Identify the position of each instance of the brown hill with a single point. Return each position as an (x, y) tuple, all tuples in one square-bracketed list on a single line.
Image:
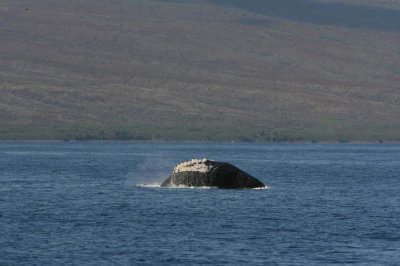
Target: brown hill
[(219, 70)]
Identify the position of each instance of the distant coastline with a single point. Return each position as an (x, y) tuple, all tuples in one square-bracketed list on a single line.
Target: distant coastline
[(242, 71), (182, 134)]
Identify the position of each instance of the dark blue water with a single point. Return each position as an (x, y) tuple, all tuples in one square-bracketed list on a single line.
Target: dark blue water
[(81, 204)]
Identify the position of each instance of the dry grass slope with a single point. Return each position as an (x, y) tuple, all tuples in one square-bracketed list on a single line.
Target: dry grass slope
[(192, 70)]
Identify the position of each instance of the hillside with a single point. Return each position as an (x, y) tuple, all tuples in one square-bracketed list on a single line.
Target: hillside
[(200, 70)]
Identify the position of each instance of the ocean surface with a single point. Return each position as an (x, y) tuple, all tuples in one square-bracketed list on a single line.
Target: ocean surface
[(98, 203)]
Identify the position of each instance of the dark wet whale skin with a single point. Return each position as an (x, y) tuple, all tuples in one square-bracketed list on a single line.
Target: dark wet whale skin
[(221, 175)]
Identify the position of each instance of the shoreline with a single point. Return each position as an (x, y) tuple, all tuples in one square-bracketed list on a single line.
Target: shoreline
[(209, 142)]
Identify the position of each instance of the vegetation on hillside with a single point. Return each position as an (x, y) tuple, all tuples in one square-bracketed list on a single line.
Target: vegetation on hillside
[(200, 70)]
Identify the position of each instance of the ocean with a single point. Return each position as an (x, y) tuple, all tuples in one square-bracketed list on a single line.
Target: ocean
[(99, 203)]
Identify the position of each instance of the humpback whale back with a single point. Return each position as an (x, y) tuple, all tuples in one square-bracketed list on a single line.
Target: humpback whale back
[(207, 173)]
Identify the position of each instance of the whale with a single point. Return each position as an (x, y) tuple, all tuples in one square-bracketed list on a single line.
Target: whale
[(209, 173)]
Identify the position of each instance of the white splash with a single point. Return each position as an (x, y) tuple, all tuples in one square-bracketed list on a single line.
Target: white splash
[(158, 185), (261, 188), (189, 187), (155, 185), (195, 165), (171, 187)]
